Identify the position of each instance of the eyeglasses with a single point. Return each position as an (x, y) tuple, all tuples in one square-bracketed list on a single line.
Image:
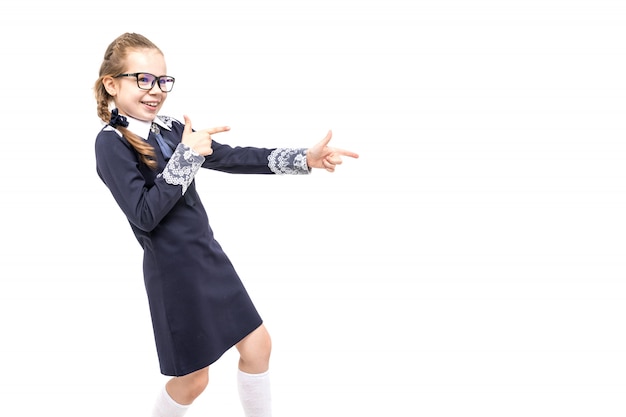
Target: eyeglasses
[(145, 81)]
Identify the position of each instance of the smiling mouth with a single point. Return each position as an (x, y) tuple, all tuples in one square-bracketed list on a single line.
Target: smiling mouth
[(151, 103)]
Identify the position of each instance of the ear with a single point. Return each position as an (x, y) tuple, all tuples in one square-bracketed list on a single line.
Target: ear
[(110, 85)]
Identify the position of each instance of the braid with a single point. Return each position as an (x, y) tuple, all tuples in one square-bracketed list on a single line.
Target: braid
[(143, 148), (113, 63)]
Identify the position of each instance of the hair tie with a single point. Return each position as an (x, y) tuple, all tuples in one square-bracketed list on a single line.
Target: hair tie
[(117, 119)]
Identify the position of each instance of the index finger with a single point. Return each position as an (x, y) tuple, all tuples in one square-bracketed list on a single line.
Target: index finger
[(215, 130), (345, 152)]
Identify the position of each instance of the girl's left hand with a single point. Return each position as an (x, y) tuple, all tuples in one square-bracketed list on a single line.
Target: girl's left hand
[(323, 156)]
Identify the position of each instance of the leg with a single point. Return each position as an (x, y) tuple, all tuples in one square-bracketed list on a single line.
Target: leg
[(254, 351), (185, 389), (253, 376), (179, 393)]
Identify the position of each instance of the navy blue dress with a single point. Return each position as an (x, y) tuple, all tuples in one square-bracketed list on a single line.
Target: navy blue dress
[(198, 304)]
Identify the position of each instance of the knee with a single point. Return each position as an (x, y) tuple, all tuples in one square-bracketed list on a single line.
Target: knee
[(187, 388), (197, 384), (255, 352), (260, 353), (259, 344)]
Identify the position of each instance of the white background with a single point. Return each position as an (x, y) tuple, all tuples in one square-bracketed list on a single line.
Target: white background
[(471, 262)]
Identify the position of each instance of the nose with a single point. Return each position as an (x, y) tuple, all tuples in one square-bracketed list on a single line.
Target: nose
[(155, 88)]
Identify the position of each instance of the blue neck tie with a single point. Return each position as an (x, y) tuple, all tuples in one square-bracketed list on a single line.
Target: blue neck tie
[(166, 148)]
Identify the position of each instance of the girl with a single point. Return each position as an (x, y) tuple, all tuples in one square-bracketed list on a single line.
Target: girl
[(198, 305)]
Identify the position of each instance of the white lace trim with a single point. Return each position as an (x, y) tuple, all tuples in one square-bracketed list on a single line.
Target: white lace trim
[(167, 121), (182, 166), (288, 161)]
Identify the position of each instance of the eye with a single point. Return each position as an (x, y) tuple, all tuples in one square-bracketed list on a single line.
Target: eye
[(145, 78)]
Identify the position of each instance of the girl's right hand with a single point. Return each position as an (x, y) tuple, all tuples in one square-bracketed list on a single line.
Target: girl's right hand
[(200, 140)]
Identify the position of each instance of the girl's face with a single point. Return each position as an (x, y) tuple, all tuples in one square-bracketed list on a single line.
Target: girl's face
[(131, 100)]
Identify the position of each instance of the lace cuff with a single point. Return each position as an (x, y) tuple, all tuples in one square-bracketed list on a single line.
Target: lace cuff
[(288, 161), (182, 166)]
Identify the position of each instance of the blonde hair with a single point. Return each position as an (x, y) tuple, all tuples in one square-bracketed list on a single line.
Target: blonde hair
[(114, 63)]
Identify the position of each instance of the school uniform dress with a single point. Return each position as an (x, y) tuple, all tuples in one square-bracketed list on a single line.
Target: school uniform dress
[(198, 304)]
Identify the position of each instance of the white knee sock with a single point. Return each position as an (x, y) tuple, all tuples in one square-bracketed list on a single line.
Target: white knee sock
[(165, 406), (254, 393)]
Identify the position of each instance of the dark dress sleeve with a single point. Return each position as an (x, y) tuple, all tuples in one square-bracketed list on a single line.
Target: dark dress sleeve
[(257, 160), (250, 160), (144, 197)]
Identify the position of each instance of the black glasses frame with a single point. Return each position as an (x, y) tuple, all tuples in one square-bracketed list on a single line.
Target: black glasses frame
[(156, 80)]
